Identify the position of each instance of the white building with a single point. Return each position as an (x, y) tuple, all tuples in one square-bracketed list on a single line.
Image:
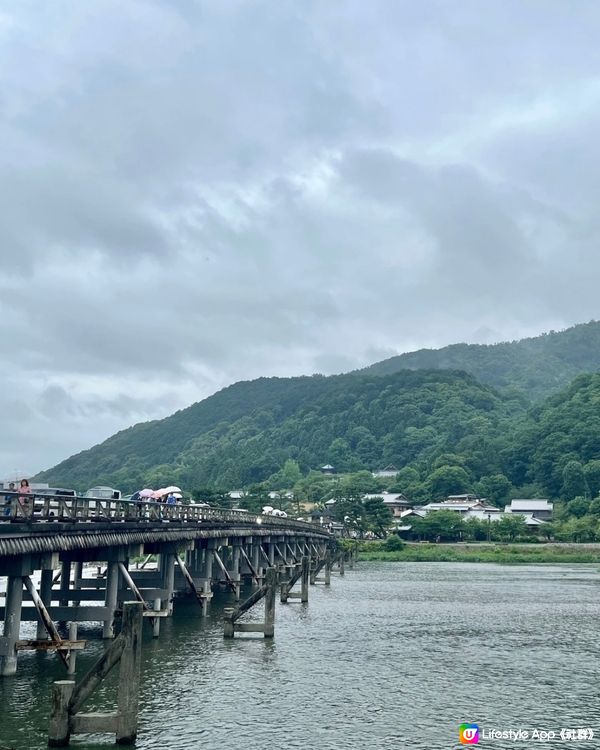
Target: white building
[(537, 508)]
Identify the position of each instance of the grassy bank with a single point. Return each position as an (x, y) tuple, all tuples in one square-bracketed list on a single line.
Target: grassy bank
[(500, 553)]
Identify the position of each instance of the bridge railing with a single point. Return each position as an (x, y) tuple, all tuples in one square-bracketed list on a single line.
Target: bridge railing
[(38, 508)]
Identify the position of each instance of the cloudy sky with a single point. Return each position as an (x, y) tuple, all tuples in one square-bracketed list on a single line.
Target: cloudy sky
[(194, 192)]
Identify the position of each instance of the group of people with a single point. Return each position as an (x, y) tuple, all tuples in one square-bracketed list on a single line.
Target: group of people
[(24, 491), (168, 495)]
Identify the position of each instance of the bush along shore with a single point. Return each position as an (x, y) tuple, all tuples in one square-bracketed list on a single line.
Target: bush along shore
[(394, 550)]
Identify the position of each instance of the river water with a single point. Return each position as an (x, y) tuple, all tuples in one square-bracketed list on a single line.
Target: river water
[(393, 655)]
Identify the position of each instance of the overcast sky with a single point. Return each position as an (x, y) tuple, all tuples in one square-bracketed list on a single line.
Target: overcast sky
[(198, 192)]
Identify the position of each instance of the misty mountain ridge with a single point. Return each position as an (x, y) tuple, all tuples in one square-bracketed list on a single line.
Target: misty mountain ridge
[(539, 365)]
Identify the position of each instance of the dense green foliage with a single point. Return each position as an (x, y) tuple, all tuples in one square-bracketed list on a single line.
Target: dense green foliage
[(538, 366), (245, 433), (446, 432)]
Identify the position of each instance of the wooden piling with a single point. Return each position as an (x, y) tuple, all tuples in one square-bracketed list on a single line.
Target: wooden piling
[(12, 625), (129, 674), (271, 585), (305, 579), (110, 598), (59, 730), (45, 596)]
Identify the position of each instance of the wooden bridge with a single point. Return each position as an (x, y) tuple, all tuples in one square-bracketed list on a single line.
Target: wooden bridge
[(147, 552)]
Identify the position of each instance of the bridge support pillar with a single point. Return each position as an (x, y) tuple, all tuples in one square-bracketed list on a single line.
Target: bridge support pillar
[(12, 625), (236, 554), (46, 597), (110, 597), (255, 558), (65, 582), (167, 564), (207, 574)]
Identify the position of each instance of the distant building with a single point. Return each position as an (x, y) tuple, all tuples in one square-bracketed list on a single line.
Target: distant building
[(466, 498), (236, 494), (327, 469), (395, 501), (467, 505), (484, 514), (388, 471), (539, 509)]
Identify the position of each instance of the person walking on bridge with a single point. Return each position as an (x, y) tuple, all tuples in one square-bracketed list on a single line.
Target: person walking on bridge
[(24, 499)]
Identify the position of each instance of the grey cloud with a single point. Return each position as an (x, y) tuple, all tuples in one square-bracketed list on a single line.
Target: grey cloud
[(196, 193)]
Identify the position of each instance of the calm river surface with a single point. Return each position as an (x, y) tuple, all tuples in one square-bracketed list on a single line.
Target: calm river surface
[(393, 655)]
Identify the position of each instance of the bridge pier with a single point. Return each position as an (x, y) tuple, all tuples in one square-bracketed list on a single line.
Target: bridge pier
[(46, 597), (110, 595), (234, 571), (65, 582), (12, 625), (255, 558), (167, 564)]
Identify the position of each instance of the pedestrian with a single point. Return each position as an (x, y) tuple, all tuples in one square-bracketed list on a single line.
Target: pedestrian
[(24, 499), (171, 499)]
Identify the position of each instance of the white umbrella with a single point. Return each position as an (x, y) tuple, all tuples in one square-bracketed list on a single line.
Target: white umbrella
[(172, 488), (178, 495), (267, 509)]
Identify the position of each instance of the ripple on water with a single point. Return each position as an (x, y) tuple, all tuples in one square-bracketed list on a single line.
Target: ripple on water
[(393, 655)]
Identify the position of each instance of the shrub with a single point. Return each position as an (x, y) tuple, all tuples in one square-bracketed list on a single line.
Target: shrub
[(393, 543)]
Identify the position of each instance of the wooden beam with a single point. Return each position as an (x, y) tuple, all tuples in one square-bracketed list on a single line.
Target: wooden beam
[(45, 618), (249, 564), (132, 586), (188, 578), (224, 570), (45, 645)]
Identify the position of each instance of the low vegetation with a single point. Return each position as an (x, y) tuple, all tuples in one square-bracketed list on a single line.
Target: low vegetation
[(500, 553)]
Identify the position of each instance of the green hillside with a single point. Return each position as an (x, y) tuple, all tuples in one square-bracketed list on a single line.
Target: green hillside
[(558, 446), (245, 433), (539, 366)]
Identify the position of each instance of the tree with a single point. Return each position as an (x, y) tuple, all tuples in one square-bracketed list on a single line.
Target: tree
[(495, 488), (448, 480), (591, 471), (286, 477), (573, 480), (578, 507), (377, 515), (442, 525), (509, 527)]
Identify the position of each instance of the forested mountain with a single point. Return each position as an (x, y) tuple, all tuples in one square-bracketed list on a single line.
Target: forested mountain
[(539, 366), (445, 430), (246, 432), (558, 445)]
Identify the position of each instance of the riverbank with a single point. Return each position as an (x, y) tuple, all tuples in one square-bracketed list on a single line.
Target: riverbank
[(478, 553)]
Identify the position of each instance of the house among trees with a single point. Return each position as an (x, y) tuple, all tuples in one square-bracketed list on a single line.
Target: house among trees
[(388, 471), (395, 501), (466, 498), (539, 509), (462, 504), (327, 469)]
